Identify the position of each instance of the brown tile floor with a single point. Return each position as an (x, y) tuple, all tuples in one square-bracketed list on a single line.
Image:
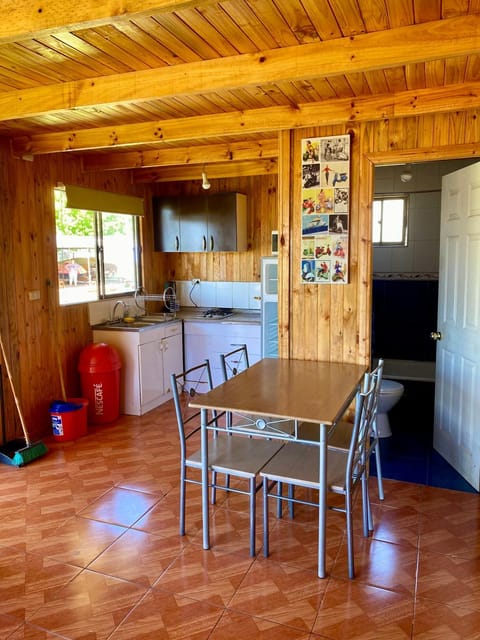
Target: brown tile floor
[(89, 550)]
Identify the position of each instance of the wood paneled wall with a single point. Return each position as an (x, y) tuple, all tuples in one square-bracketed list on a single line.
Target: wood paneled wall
[(334, 322), (262, 216), (324, 322), (32, 330)]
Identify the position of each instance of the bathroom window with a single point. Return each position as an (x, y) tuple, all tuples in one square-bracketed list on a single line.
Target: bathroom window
[(390, 218), (98, 252)]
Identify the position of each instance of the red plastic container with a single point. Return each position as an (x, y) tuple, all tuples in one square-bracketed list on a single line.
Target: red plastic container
[(69, 419), (99, 366)]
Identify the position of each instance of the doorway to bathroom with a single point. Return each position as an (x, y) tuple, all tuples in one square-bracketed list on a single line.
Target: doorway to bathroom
[(404, 313)]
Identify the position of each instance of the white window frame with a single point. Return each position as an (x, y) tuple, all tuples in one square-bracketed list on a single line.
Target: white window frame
[(402, 239), (99, 241)]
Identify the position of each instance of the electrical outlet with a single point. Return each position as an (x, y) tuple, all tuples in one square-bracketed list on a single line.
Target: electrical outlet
[(195, 281)]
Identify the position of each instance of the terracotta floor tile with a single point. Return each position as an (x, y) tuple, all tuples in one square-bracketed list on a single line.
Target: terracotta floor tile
[(453, 533), (398, 525), (120, 506), (90, 549), (297, 544), (163, 517), (91, 605), (206, 575), (167, 616), (354, 611), (8, 626), (78, 541), (397, 493), (433, 620), (139, 556), (281, 593), (26, 580), (380, 564), (29, 632), (233, 625), (451, 580)]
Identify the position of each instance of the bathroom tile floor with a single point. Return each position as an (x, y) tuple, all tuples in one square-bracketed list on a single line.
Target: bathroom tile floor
[(89, 550), (408, 454)]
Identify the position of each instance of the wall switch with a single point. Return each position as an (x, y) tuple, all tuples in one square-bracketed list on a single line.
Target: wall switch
[(34, 295)]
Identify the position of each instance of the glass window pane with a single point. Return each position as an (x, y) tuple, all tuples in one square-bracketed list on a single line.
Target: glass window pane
[(377, 221), (76, 253), (119, 253), (392, 227)]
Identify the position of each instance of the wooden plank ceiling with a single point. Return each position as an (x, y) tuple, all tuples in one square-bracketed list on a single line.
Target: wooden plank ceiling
[(166, 86)]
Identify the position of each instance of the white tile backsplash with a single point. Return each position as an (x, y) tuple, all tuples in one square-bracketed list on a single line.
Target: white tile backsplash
[(224, 294), (239, 295)]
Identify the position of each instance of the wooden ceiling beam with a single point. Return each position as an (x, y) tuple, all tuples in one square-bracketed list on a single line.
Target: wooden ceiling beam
[(458, 36), (220, 170), (27, 19), (191, 155), (457, 97)]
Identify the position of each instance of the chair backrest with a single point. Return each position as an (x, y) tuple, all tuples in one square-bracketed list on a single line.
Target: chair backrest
[(376, 374), (358, 452), (185, 386), (234, 361)]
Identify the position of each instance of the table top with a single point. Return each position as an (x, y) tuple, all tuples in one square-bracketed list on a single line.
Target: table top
[(306, 390)]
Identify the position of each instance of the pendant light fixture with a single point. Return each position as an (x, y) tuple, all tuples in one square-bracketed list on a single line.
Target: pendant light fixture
[(406, 174), (205, 182)]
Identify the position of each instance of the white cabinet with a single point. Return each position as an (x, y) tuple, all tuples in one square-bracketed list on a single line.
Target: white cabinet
[(211, 338), (148, 358)]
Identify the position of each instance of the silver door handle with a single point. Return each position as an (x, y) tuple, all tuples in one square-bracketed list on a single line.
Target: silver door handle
[(436, 335)]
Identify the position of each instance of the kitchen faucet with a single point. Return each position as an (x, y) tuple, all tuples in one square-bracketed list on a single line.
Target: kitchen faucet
[(122, 304)]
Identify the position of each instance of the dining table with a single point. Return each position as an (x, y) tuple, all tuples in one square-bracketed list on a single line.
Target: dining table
[(270, 393)]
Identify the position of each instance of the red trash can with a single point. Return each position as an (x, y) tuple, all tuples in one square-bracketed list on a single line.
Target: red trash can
[(99, 366)]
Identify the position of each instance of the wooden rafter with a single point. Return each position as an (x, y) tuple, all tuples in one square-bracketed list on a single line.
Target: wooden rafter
[(370, 108), (368, 52)]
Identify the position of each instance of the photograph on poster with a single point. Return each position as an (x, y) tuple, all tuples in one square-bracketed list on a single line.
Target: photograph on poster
[(325, 209)]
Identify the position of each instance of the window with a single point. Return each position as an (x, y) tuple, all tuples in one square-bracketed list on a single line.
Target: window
[(390, 220), (97, 252)]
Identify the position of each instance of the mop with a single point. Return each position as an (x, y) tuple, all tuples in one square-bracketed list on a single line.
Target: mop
[(27, 451)]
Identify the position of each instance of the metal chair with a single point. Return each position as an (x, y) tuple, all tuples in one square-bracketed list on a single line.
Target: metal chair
[(297, 464), (232, 455), (234, 361), (341, 434)]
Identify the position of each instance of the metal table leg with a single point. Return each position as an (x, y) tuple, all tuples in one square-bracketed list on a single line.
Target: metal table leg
[(204, 453), (322, 501)]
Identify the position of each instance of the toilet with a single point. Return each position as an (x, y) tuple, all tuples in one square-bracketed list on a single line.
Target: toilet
[(390, 393)]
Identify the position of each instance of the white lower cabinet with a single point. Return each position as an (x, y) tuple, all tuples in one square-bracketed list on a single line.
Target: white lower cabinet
[(209, 339), (148, 358)]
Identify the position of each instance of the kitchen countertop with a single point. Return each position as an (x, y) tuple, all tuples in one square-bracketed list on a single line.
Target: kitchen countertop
[(194, 314), (187, 314)]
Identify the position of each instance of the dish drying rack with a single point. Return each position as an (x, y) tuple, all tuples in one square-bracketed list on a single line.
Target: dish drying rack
[(168, 297)]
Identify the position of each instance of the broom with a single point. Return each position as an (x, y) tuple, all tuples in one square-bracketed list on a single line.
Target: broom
[(30, 451)]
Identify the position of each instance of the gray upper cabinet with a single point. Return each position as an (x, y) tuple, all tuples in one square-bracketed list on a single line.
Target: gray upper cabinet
[(214, 222)]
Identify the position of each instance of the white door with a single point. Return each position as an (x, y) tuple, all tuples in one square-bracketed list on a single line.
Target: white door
[(457, 384)]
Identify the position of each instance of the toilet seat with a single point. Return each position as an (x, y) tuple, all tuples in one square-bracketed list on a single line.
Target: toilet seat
[(388, 387)]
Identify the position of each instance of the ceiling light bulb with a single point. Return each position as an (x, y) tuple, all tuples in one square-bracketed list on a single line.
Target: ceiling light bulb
[(406, 174), (205, 182)]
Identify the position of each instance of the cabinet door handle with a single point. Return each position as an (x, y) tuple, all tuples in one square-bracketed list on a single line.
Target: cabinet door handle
[(177, 243), (212, 243), (204, 243)]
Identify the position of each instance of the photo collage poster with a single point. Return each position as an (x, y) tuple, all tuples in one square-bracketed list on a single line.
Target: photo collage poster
[(325, 209)]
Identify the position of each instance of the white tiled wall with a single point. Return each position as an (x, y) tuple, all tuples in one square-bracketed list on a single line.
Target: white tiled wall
[(421, 255), (238, 295)]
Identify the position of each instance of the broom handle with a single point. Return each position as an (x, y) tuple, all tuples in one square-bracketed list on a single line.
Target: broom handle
[(17, 402), (54, 327)]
